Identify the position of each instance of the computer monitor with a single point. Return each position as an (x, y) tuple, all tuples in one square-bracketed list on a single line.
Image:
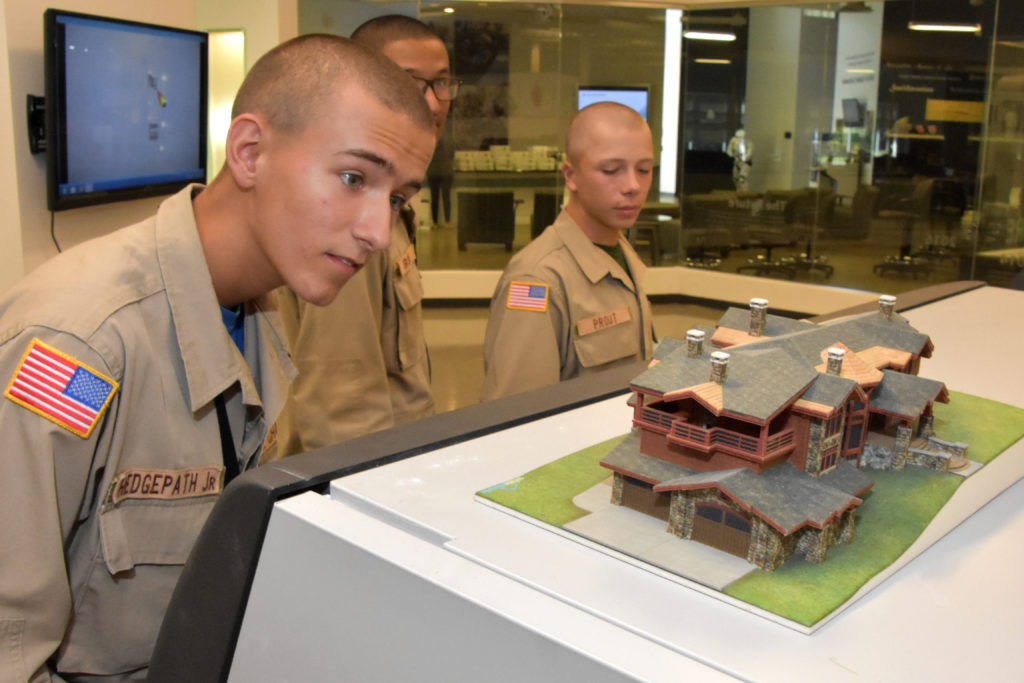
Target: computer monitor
[(853, 113), (125, 109), (633, 97)]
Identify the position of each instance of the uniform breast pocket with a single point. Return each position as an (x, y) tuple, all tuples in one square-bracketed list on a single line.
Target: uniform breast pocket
[(125, 588), (410, 345), (606, 338)]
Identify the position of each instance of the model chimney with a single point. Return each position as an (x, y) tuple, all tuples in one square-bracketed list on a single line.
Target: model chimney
[(887, 305), (758, 311), (694, 343), (835, 361), (719, 367)]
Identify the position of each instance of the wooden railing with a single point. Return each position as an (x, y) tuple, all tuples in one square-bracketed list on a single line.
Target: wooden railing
[(714, 438)]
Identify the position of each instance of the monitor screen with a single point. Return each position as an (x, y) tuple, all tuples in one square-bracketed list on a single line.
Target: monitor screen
[(635, 98), (853, 113), (125, 109)]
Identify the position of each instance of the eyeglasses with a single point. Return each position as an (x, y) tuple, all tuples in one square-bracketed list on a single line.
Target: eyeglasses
[(444, 88)]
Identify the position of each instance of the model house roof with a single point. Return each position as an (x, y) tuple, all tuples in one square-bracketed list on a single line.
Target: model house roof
[(783, 496), (738, 319), (767, 373), (865, 332), (906, 395), (758, 383), (829, 390)]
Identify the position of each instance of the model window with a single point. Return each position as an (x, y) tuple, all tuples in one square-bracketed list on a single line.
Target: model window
[(829, 458), (710, 512), (854, 435), (834, 424), (736, 522)]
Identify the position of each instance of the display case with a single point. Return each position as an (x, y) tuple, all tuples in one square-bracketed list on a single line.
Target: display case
[(373, 560)]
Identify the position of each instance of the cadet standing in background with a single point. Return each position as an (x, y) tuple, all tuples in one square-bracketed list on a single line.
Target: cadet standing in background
[(363, 362), (144, 368), (572, 301)]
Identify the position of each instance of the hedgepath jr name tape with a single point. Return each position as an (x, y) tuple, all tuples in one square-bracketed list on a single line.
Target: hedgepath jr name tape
[(154, 484)]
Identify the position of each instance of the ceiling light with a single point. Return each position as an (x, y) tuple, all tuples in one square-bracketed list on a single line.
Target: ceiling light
[(709, 35), (938, 26), (860, 71), (449, 10), (708, 60)]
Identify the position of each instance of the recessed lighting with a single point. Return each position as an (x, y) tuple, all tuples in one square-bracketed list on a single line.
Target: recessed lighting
[(709, 35), (936, 26), (449, 10)]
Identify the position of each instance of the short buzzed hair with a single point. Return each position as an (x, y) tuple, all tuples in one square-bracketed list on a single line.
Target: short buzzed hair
[(290, 84), (379, 32), (612, 112)]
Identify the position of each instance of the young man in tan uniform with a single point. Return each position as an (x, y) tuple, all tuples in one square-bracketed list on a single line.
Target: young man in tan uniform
[(145, 367), (362, 360), (572, 301)]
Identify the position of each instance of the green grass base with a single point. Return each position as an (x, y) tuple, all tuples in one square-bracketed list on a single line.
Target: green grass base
[(894, 514)]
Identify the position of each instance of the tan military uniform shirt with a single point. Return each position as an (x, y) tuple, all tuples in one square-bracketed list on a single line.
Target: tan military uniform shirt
[(563, 308), (100, 509), (362, 359)]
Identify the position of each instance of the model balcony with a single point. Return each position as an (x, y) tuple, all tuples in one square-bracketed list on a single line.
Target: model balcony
[(708, 439)]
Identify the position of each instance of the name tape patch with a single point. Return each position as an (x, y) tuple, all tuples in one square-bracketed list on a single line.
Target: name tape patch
[(406, 262), (603, 321), (527, 296), (65, 391), (152, 484)]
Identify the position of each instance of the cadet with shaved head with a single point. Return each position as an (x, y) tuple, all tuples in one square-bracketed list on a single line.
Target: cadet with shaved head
[(145, 368), (362, 360), (572, 301)]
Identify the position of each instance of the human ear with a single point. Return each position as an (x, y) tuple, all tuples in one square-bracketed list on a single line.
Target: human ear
[(242, 149), (569, 173)]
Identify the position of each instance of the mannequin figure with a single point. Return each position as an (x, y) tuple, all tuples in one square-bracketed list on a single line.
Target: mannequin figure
[(742, 152)]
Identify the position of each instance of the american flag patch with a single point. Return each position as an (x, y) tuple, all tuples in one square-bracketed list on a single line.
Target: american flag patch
[(59, 388), (527, 296)]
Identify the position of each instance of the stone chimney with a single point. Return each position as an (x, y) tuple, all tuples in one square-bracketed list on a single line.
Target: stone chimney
[(835, 361), (887, 305), (719, 367), (758, 311), (694, 343)]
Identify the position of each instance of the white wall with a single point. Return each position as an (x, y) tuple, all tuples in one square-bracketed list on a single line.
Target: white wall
[(10, 228), (265, 22), (24, 37), (24, 238)]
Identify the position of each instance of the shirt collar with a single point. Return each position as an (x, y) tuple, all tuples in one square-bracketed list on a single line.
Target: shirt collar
[(594, 262), (211, 360)]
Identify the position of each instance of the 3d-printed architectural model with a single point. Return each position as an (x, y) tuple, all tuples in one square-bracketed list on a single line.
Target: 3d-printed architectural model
[(758, 451)]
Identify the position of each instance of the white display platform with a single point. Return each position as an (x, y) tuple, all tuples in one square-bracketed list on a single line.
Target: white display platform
[(398, 574)]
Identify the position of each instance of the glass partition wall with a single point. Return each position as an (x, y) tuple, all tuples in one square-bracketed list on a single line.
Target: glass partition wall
[(828, 143)]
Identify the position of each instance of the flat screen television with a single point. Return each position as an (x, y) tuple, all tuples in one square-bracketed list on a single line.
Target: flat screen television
[(633, 97), (853, 113), (125, 109)]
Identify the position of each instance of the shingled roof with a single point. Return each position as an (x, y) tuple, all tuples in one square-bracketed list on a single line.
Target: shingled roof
[(758, 383), (906, 395), (858, 333), (783, 496)]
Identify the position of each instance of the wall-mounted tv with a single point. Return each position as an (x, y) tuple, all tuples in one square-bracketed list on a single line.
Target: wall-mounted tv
[(633, 97), (853, 113), (125, 109)]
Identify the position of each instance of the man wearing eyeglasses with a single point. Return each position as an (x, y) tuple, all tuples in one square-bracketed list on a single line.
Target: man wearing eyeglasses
[(362, 361)]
